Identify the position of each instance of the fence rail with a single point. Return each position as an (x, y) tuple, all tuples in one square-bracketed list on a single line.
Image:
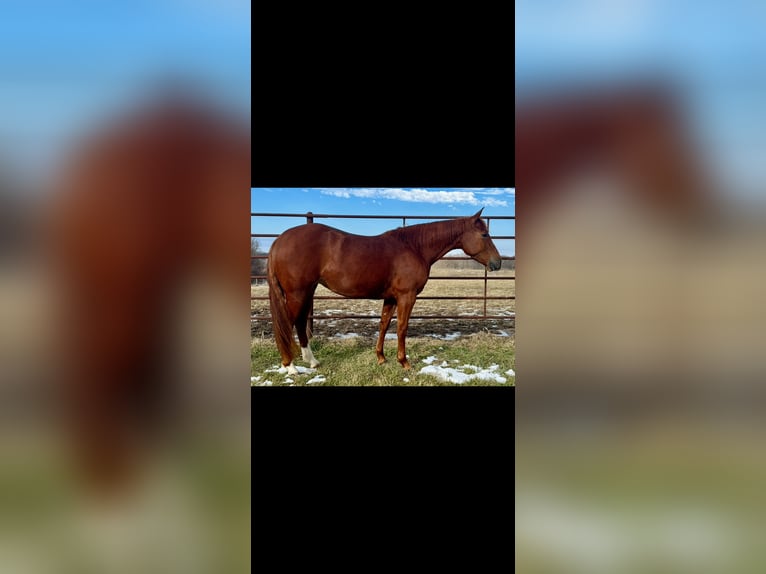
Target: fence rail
[(310, 217)]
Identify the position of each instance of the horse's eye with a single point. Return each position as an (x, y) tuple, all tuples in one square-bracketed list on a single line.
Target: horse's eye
[(485, 234)]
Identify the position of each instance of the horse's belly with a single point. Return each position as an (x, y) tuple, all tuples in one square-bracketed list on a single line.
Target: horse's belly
[(354, 288)]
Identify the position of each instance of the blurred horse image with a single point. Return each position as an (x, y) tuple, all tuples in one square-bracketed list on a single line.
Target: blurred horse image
[(143, 203)]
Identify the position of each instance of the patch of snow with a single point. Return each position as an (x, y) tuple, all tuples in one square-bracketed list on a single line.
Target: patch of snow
[(305, 370), (283, 370), (390, 336), (447, 337), (289, 380), (502, 333), (345, 335), (317, 379), (265, 383), (459, 375), (254, 379), (406, 380), (429, 360), (510, 372)]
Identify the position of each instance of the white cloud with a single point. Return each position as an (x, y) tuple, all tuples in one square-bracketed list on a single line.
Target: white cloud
[(463, 196), (497, 191)]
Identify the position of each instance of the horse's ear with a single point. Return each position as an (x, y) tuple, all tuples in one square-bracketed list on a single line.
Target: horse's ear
[(477, 215)]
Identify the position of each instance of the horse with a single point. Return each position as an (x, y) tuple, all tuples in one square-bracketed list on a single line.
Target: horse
[(637, 134), (393, 266), (144, 203), (614, 179)]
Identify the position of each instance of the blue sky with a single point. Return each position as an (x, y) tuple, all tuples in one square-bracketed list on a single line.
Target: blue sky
[(69, 63), (444, 201), (714, 53)]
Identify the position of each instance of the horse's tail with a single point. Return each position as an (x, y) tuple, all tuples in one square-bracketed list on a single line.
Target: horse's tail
[(283, 328)]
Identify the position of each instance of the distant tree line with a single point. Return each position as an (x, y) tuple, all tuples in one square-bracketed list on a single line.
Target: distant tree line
[(469, 264), (257, 266)]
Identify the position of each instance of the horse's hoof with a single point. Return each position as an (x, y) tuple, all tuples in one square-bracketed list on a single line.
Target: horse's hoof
[(406, 365), (381, 360), (291, 370), (315, 364)]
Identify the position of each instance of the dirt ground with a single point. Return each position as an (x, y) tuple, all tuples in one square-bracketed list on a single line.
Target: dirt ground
[(334, 327), (445, 328)]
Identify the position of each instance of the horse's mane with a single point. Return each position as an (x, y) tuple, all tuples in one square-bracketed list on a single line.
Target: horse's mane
[(430, 235)]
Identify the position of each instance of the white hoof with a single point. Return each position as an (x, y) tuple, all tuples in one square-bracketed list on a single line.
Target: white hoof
[(291, 370), (309, 357)]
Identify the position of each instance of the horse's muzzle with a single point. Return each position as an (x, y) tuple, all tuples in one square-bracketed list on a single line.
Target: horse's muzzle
[(494, 265)]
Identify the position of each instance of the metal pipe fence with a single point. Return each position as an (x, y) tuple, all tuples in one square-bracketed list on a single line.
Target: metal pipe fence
[(310, 217)]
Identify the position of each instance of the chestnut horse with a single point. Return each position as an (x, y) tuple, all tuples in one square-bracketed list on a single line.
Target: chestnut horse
[(393, 266), (638, 133), (145, 202)]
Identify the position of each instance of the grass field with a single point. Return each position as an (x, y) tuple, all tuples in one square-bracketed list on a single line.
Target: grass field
[(674, 494), (352, 362), (346, 347)]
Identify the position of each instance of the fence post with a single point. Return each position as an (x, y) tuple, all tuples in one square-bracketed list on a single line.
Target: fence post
[(310, 219), (485, 280)]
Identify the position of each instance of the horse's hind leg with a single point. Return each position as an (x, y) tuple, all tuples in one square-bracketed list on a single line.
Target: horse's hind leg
[(301, 326), (296, 303), (303, 337), (403, 311), (385, 321)]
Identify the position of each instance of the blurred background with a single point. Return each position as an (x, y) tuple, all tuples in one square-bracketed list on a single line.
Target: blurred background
[(640, 403), (124, 169)]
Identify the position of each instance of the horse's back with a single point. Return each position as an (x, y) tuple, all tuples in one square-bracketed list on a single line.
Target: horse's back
[(311, 241), (302, 244), (351, 265), (297, 254), (306, 231)]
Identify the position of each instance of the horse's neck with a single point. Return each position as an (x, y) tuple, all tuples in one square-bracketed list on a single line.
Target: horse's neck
[(433, 240), (438, 254)]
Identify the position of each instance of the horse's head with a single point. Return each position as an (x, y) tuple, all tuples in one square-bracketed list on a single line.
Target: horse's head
[(477, 243)]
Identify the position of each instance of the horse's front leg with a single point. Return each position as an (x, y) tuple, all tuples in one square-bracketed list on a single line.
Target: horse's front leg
[(403, 312), (385, 321)]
